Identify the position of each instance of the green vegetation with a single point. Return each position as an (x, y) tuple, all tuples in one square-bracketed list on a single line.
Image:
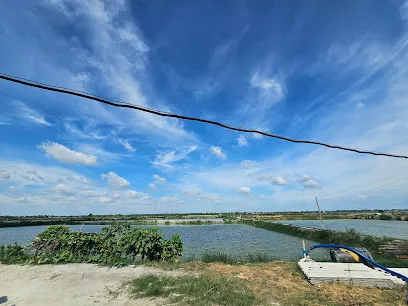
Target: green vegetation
[(229, 260), (219, 257), (118, 244), (350, 238), (12, 254), (205, 289)]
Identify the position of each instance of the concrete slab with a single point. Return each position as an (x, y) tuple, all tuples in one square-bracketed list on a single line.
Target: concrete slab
[(356, 274)]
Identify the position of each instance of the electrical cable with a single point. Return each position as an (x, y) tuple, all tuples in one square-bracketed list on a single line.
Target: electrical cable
[(182, 117)]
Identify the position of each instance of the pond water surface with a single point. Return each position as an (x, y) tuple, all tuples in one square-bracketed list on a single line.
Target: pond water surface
[(395, 229), (237, 240)]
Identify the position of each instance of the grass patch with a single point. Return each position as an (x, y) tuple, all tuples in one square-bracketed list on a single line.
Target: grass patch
[(284, 284), (205, 289), (255, 258), (218, 257), (276, 282)]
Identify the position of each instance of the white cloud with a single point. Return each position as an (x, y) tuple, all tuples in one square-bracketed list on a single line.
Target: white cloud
[(262, 196), (198, 194), (12, 188), (116, 195), (170, 199), (4, 175), (359, 105), (249, 164), (274, 180), (30, 114), (115, 180), (310, 184), (4, 121), (66, 155), (125, 143), (242, 141), (270, 89), (62, 189), (97, 150), (217, 151), (404, 11), (118, 60), (244, 190), (132, 194), (90, 193), (167, 159), (105, 200), (279, 181), (159, 179), (88, 131), (35, 174), (23, 200), (153, 186), (82, 77)]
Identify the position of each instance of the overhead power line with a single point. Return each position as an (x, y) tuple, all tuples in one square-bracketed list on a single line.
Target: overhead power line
[(171, 115)]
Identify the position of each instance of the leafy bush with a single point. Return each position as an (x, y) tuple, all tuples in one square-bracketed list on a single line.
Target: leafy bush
[(385, 217), (12, 254), (117, 244)]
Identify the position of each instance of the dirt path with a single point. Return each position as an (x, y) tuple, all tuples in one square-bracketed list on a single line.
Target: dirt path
[(71, 284)]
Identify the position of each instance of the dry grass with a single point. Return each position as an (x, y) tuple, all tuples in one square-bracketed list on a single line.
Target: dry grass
[(283, 283)]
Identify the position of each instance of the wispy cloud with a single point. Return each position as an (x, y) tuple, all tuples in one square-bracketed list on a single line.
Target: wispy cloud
[(274, 180), (270, 89), (82, 77), (249, 164), (242, 141), (99, 151), (119, 59), (218, 152), (125, 143), (30, 114), (168, 159), (171, 199), (198, 194), (89, 131)]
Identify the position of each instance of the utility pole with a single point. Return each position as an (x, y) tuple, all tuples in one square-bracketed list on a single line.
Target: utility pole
[(320, 213)]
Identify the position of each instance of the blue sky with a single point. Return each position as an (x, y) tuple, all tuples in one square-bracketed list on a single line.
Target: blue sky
[(332, 71)]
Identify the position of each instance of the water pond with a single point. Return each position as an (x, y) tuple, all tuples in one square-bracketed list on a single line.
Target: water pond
[(237, 240), (395, 229)]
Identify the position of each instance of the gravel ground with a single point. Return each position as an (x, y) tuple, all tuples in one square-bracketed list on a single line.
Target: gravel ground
[(70, 284)]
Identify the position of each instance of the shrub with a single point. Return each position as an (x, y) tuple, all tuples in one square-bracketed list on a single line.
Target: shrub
[(116, 244), (12, 254), (385, 217)]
